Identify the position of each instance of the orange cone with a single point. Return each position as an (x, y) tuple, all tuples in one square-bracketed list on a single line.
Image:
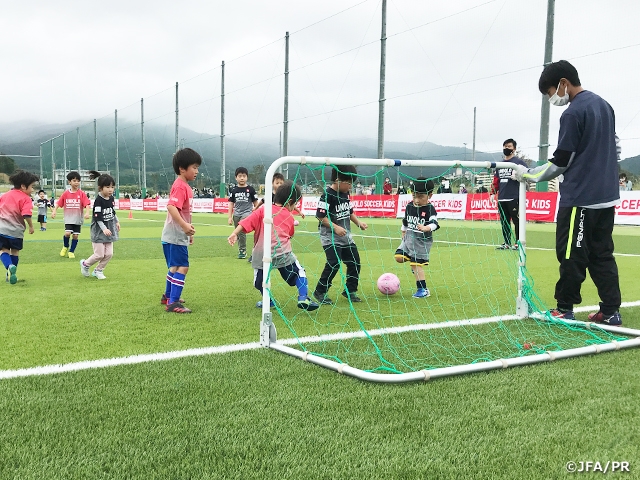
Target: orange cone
[(130, 213)]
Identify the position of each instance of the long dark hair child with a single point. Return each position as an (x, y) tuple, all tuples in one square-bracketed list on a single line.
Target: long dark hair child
[(104, 226)]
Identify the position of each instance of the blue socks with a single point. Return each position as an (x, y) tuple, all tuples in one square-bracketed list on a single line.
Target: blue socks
[(74, 244), (303, 288), (177, 284), (14, 259), (65, 241), (6, 259)]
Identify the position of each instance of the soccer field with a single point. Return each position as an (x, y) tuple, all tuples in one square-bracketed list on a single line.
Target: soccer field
[(257, 413)]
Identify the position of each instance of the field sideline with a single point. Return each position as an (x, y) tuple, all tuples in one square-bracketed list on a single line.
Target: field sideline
[(253, 413)]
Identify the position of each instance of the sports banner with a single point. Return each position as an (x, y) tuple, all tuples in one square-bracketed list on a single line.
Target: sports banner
[(123, 204), (309, 205), (541, 207), (448, 205), (628, 211), (203, 205), (374, 205), (220, 205), (150, 204)]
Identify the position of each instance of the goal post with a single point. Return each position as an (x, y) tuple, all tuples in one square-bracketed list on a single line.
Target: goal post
[(393, 340)]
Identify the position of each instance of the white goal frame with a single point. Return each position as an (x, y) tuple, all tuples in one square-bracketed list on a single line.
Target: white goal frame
[(268, 334)]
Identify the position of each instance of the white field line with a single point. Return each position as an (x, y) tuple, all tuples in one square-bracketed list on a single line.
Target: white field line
[(397, 238), (198, 352)]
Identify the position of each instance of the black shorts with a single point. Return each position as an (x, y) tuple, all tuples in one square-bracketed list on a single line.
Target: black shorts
[(412, 259), (42, 219), (10, 243), (75, 229)]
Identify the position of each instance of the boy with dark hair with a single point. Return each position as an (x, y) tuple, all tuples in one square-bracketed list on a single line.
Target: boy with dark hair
[(282, 256), (587, 156), (74, 201), (419, 222), (42, 203), (15, 209), (278, 179), (178, 232), (242, 201), (508, 195), (335, 215)]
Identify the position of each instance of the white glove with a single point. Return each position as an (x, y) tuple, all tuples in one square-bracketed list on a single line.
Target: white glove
[(517, 172)]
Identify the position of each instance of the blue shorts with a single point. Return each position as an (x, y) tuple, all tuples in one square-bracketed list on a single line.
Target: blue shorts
[(176, 255), (10, 243)]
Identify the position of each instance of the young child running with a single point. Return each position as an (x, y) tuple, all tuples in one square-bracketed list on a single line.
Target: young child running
[(278, 179), (74, 201), (104, 226), (242, 200), (335, 215), (178, 232), (419, 222), (282, 256), (15, 209), (43, 204)]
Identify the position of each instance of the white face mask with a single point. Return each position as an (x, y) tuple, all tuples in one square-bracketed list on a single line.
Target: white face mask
[(559, 101)]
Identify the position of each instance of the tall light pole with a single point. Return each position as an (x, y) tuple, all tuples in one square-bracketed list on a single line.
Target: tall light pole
[(543, 147)]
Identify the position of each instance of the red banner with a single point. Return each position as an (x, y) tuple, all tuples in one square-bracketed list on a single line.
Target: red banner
[(124, 204), (541, 207), (150, 204), (374, 205), (221, 205)]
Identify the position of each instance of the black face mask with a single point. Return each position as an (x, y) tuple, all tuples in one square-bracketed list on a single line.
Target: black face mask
[(507, 151)]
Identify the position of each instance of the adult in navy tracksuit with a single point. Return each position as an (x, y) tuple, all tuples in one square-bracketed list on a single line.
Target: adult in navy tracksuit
[(587, 158), (508, 195)]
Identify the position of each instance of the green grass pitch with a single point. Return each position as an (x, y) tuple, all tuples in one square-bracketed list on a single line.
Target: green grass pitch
[(260, 414)]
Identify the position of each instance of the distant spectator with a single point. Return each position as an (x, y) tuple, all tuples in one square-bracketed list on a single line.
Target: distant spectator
[(445, 186), (462, 188), (625, 185), (387, 188), (359, 189), (401, 189), (481, 189)]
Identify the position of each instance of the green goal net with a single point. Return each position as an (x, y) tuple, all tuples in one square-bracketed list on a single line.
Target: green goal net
[(482, 307)]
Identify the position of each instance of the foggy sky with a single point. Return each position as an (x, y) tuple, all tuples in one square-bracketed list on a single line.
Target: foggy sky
[(68, 61)]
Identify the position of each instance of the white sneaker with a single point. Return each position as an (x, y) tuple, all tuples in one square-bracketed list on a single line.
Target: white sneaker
[(98, 274), (84, 270)]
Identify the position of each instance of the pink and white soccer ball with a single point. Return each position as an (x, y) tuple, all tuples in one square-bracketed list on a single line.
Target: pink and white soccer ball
[(388, 283)]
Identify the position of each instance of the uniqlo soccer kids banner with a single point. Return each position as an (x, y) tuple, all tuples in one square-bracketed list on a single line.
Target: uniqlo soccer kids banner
[(628, 211), (220, 205), (374, 205), (363, 205), (541, 207), (150, 204), (448, 205), (309, 205), (203, 205)]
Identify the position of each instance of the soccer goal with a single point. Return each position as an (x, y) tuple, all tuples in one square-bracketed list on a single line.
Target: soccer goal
[(482, 313)]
